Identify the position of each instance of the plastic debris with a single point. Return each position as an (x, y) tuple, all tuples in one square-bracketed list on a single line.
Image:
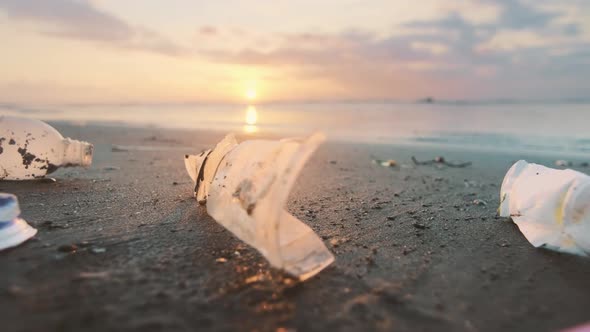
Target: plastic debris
[(245, 187), (31, 149), (579, 328), (551, 207), (386, 163), (440, 161), (563, 163), (13, 229)]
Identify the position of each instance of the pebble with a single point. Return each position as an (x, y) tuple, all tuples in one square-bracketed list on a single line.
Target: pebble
[(98, 250), (419, 225), (93, 275), (480, 202), (389, 163), (67, 248), (563, 163), (15, 290)]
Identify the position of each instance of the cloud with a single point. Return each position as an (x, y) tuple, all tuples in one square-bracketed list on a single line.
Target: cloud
[(207, 30), (79, 19), (521, 50), (518, 15), (433, 48), (510, 40), (462, 47)]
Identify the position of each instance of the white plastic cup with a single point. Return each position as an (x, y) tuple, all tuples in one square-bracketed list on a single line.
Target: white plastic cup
[(551, 207)]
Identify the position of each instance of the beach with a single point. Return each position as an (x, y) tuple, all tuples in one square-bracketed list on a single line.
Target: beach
[(124, 246)]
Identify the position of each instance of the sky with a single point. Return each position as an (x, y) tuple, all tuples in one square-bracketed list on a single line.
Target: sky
[(189, 51)]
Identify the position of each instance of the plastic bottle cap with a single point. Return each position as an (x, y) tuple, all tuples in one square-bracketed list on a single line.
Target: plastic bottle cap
[(13, 230), (9, 208)]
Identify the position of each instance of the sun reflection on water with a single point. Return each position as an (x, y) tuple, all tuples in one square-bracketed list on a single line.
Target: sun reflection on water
[(251, 115), (251, 120)]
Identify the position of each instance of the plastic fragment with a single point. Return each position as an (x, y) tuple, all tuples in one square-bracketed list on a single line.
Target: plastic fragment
[(386, 163), (579, 328), (551, 207), (245, 187), (31, 149), (439, 160), (13, 229), (563, 163)]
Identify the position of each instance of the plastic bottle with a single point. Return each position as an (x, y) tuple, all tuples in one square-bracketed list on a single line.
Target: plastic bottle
[(246, 186), (551, 207), (31, 149)]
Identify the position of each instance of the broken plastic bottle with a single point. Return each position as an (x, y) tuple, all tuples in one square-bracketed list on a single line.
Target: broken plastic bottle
[(551, 207), (245, 187), (13, 229), (31, 149)]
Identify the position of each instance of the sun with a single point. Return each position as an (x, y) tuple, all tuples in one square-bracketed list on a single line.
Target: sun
[(251, 94)]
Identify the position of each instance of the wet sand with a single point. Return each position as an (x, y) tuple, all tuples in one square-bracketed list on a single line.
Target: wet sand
[(124, 246)]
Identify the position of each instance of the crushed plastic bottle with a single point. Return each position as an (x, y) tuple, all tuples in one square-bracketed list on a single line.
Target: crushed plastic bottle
[(31, 149), (245, 187), (13, 229), (551, 207)]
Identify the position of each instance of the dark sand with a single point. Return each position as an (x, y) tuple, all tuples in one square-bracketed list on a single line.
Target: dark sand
[(413, 253)]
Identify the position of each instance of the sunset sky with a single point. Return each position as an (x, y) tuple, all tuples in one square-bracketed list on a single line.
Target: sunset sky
[(177, 51)]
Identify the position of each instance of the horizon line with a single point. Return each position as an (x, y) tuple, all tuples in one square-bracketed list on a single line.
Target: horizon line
[(424, 100)]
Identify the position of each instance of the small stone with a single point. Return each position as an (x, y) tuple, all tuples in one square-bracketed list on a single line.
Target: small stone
[(15, 290), (84, 244), (563, 163), (253, 279), (480, 202), (93, 275), (419, 225), (98, 250), (439, 159), (221, 260), (389, 163), (67, 248)]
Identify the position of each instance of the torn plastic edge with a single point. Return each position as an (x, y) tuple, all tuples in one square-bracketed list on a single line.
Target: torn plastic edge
[(302, 268), (539, 235), (15, 232)]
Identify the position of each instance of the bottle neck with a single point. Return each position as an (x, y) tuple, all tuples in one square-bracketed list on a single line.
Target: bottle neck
[(77, 153)]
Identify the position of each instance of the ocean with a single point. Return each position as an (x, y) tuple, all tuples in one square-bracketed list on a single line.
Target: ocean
[(556, 128)]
